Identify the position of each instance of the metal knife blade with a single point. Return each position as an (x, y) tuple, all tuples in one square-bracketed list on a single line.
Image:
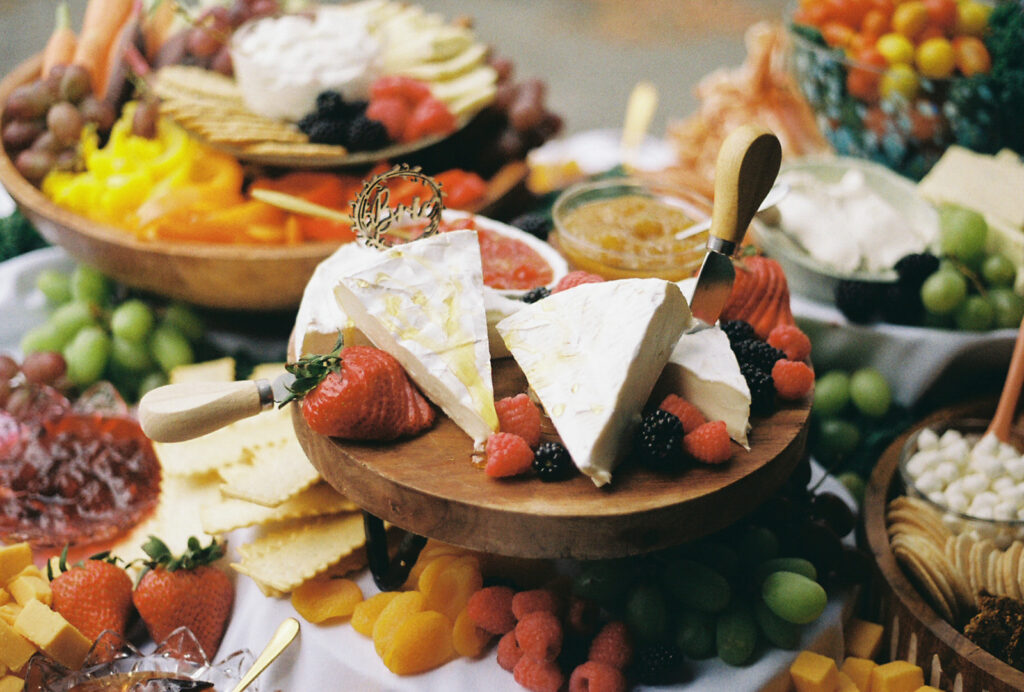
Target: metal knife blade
[(280, 386), (745, 171)]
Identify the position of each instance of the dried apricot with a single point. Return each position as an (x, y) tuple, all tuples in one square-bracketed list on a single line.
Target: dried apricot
[(365, 614), (422, 642), (450, 591), (323, 599), (401, 607), (468, 639)]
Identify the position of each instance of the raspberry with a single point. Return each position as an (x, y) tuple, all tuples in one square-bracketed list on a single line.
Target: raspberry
[(657, 664), (536, 600), (576, 278), (392, 112), (581, 616), (658, 442), (519, 415), (688, 414), (538, 676), (758, 353), (597, 677), (793, 379), (553, 463), (612, 646), (737, 331), (762, 389), (540, 635), (429, 117), (509, 652), (410, 90), (709, 443), (535, 294), (789, 339), (491, 609), (507, 455)]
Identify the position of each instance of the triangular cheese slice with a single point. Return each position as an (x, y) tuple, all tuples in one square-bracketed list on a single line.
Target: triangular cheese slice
[(592, 355), (423, 303)]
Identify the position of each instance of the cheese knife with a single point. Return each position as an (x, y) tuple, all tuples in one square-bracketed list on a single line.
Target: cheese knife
[(745, 171)]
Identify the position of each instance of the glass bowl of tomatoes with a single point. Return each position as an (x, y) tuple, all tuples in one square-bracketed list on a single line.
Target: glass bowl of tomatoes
[(899, 82)]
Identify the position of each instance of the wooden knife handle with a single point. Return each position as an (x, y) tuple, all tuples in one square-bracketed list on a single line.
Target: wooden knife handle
[(178, 412), (745, 171)]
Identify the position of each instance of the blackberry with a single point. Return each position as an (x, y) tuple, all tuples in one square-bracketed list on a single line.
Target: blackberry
[(762, 389), (535, 294), (330, 104), (658, 443), (552, 462), (737, 331), (324, 131), (535, 224), (914, 269), (859, 301), (306, 124), (657, 663), (760, 354), (365, 134), (902, 304)]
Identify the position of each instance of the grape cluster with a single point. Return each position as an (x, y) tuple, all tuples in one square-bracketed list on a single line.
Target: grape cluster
[(99, 336), (44, 119), (205, 42)]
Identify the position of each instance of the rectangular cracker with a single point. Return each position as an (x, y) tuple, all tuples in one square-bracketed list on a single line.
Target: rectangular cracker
[(273, 474), (230, 514)]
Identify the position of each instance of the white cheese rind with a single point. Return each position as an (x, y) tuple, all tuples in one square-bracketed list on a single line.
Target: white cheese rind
[(592, 355), (423, 303), (703, 370)]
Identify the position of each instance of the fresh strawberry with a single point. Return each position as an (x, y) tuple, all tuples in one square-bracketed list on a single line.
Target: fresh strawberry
[(410, 90), (393, 112), (362, 393), (429, 117), (93, 596), (185, 591)]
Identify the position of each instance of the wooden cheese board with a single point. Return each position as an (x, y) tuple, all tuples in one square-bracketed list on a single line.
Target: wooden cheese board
[(428, 486)]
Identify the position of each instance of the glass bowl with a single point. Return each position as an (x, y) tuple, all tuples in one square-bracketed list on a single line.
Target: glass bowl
[(621, 228), (956, 516)]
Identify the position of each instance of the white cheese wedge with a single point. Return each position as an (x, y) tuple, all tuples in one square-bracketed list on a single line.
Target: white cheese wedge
[(498, 307), (703, 370), (592, 355), (423, 303)]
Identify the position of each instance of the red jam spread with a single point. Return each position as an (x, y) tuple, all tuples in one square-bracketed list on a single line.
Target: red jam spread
[(508, 262)]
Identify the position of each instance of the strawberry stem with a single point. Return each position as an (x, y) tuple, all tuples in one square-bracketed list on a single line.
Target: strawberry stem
[(194, 556), (311, 370)]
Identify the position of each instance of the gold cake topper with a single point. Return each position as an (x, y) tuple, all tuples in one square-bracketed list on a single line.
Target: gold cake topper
[(374, 218)]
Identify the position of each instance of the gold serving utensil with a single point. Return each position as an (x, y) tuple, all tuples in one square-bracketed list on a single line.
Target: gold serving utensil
[(643, 101), (283, 200), (284, 635), (1003, 418)]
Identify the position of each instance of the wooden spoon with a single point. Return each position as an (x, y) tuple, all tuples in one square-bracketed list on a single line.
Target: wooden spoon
[(284, 635), (1003, 418)]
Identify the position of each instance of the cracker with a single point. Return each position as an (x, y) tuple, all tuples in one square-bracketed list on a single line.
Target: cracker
[(1009, 565), (993, 575), (979, 565), (197, 80), (297, 149), (267, 371), (962, 564), (910, 560), (287, 556), (219, 370), (273, 474), (921, 515), (203, 454), (230, 514), (932, 560)]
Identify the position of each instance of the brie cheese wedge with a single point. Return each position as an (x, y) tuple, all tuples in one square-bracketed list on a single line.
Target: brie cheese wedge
[(423, 302), (592, 355), (703, 370)]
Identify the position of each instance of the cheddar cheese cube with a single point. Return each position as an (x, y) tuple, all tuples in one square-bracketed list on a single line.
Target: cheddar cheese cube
[(897, 676), (928, 688), (15, 650), (11, 683), (3, 669), (813, 672), (28, 587), (858, 670), (863, 638), (9, 612), (55, 636), (13, 559), (5, 597), (846, 684), (29, 571)]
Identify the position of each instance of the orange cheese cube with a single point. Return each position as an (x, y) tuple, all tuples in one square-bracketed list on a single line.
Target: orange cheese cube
[(5, 597), (55, 636), (859, 670), (813, 672), (15, 650), (846, 684), (863, 638), (28, 587), (927, 688), (3, 669), (897, 676), (13, 559), (9, 611), (11, 683)]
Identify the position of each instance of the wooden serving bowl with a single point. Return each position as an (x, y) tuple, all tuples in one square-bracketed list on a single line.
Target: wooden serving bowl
[(914, 631), (428, 486), (234, 277)]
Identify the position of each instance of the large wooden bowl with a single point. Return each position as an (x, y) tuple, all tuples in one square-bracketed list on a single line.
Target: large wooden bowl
[(427, 485), (914, 631), (236, 277)]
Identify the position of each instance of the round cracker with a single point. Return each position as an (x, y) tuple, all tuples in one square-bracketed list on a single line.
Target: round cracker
[(923, 576), (926, 520), (932, 561), (979, 565), (993, 575), (1009, 564)]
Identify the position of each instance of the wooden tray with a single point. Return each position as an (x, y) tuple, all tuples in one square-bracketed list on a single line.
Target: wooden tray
[(914, 630), (427, 485), (235, 277)]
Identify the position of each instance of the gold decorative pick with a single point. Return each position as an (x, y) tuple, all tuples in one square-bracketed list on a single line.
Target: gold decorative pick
[(643, 101), (284, 635), (373, 216)]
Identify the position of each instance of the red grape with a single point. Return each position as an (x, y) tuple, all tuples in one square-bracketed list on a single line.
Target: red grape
[(65, 122), (144, 119), (8, 367), (222, 62), (43, 367), (264, 8), (18, 134), (34, 165), (74, 85), (99, 112), (28, 101), (504, 68)]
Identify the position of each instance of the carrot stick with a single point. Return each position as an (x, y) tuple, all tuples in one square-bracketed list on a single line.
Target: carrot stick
[(157, 27), (60, 48), (100, 27), (116, 54)]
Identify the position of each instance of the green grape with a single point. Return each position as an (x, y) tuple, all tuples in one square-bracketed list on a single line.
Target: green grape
[(975, 314), (870, 392), (89, 285), (185, 320), (831, 394), (647, 612), (696, 586), (757, 544), (933, 321), (1007, 306), (603, 581), (854, 483), (695, 634), (943, 291), (736, 635), (151, 382), (71, 317), (794, 597), (779, 632), (998, 271), (963, 233), (41, 338), (55, 285), (785, 564), (836, 439), (130, 356), (169, 348), (132, 320), (87, 356)]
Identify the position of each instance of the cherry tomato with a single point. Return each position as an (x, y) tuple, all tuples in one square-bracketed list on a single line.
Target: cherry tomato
[(971, 56), (837, 34), (896, 48), (923, 126), (900, 82), (910, 18), (862, 83), (942, 13), (849, 12), (875, 23), (930, 31)]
